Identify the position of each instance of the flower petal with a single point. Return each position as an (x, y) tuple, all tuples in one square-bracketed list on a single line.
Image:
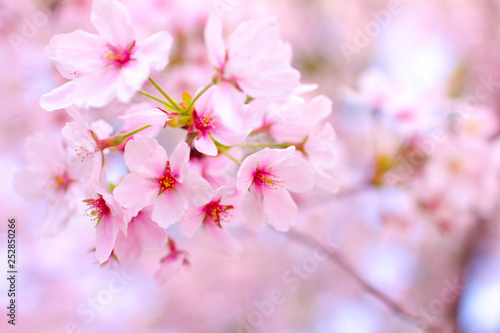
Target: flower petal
[(280, 209), (128, 248), (252, 207), (191, 221), (196, 189), (76, 53), (179, 157), (136, 191), (59, 98), (204, 144), (296, 174), (144, 155), (168, 268), (96, 89), (213, 40), (156, 50), (168, 208), (131, 78), (60, 210), (112, 20), (106, 233)]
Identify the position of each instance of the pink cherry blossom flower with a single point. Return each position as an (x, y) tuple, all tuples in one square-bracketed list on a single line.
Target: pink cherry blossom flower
[(211, 216), (105, 66), (142, 233), (55, 174), (110, 218), (156, 180), (266, 178), (308, 121), (172, 263), (255, 59), (90, 141), (210, 123)]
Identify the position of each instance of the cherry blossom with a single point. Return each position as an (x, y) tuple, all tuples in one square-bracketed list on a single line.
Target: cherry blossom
[(266, 178), (55, 174), (90, 141), (105, 66), (212, 216), (156, 180), (172, 263), (209, 123), (110, 218), (254, 59)]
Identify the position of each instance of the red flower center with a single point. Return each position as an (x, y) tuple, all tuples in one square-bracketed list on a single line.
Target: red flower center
[(217, 212), (62, 181), (118, 56), (167, 181), (206, 122), (97, 208), (265, 178)]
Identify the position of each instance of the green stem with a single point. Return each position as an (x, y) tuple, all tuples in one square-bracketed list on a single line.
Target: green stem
[(177, 107), (126, 135), (225, 152), (156, 99), (201, 92)]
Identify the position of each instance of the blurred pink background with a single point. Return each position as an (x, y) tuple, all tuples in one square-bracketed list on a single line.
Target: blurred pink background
[(416, 93)]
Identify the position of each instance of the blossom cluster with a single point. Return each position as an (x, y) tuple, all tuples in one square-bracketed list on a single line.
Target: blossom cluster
[(249, 139)]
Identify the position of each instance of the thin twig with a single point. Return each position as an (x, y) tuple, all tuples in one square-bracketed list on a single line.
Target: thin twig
[(155, 98), (202, 91), (153, 82), (338, 258)]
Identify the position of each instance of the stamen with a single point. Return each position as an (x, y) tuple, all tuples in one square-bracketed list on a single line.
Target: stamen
[(97, 208), (83, 153), (217, 212), (167, 181), (62, 181), (76, 74), (117, 55), (263, 177), (206, 122)]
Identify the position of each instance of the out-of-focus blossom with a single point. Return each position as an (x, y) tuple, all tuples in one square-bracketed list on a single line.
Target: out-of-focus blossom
[(172, 263), (90, 141), (55, 174), (306, 124)]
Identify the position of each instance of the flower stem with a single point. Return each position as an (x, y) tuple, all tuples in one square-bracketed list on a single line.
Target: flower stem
[(225, 152), (153, 82), (202, 91), (156, 99), (126, 135), (338, 258)]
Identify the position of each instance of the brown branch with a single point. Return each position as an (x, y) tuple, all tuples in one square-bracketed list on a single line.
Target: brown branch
[(338, 258)]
